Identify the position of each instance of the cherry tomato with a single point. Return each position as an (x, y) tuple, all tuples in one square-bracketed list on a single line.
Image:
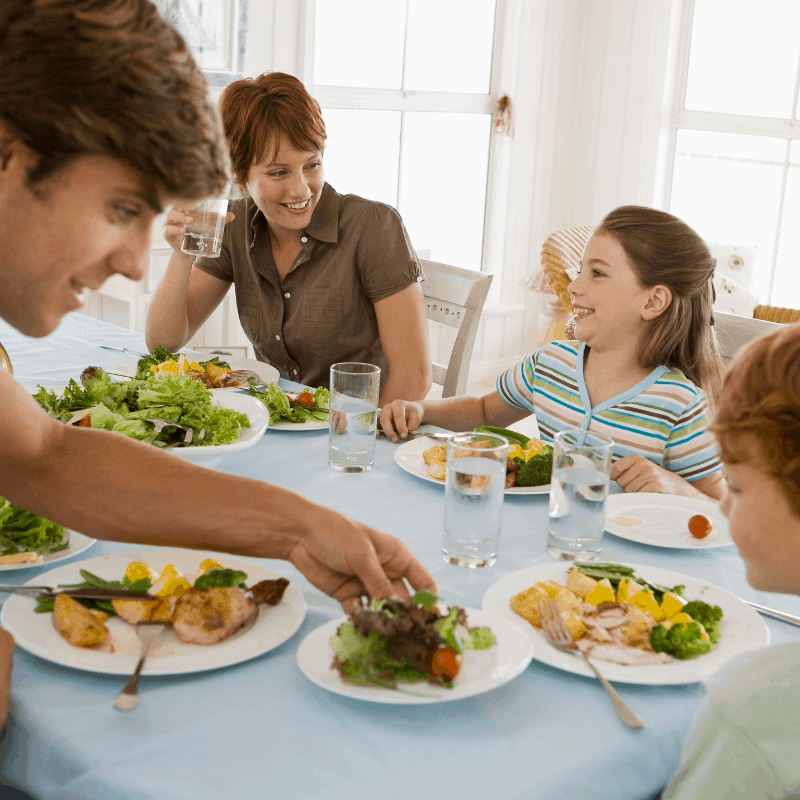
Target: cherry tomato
[(305, 399), (444, 663), (86, 422), (699, 526)]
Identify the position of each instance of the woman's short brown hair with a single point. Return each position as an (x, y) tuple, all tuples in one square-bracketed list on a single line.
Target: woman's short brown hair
[(271, 106), (761, 402), (113, 78)]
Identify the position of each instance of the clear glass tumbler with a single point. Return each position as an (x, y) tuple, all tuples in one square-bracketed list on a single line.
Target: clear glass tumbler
[(353, 416), (578, 492), (473, 498), (203, 235)]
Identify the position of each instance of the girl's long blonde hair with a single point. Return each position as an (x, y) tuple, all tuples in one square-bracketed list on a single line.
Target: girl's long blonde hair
[(664, 250)]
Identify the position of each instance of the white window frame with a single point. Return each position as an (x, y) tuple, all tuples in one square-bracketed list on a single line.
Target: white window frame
[(785, 129), (494, 230)]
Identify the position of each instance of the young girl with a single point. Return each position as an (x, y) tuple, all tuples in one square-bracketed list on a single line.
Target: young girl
[(641, 372), (745, 739)]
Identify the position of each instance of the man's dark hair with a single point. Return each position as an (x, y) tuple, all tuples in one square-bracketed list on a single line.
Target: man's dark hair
[(109, 78)]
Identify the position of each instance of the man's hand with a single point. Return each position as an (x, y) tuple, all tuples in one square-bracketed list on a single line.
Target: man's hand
[(353, 560), (638, 474), (400, 417), (6, 657)]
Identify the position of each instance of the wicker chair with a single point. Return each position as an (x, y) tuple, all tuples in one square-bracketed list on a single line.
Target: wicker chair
[(774, 314)]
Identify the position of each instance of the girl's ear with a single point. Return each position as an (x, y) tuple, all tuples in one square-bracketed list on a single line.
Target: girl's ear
[(657, 303)]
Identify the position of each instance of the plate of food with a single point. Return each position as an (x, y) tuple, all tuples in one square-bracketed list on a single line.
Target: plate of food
[(216, 372), (665, 520), (640, 624), (192, 592), (27, 540), (209, 424), (427, 459), (307, 410), (415, 653)]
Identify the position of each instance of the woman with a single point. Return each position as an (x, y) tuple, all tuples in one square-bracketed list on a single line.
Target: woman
[(640, 373), (745, 738), (319, 277)]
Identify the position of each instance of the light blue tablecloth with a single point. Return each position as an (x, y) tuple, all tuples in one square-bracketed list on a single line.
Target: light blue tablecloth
[(260, 729)]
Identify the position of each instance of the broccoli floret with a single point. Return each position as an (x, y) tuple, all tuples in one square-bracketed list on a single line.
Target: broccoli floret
[(536, 470), (159, 356), (226, 578), (681, 640), (708, 616)]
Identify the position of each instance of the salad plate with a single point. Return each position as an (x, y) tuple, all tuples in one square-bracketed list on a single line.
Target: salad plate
[(35, 633), (409, 457), (742, 631), (481, 671), (77, 544), (266, 372), (308, 425), (662, 520)]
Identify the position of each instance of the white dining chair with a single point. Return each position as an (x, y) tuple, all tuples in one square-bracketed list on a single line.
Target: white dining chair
[(455, 297), (734, 332)]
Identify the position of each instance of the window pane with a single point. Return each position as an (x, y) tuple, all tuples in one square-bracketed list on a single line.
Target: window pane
[(443, 172), (727, 187), (359, 43), (207, 27), (362, 153), (744, 56), (449, 46), (786, 286)]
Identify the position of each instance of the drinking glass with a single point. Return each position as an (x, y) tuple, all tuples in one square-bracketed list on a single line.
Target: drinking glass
[(353, 416), (5, 359), (203, 235), (578, 492), (473, 498)]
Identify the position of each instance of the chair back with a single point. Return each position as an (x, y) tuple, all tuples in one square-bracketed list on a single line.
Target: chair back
[(734, 332), (455, 297)]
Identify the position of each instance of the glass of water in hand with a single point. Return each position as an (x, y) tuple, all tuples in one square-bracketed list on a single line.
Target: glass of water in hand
[(203, 235), (578, 492), (473, 498)]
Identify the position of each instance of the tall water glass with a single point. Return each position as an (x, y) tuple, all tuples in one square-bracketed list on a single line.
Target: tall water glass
[(353, 416), (203, 235), (473, 498), (578, 492)]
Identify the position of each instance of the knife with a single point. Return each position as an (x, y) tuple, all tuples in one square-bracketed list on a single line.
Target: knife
[(771, 612), (86, 593)]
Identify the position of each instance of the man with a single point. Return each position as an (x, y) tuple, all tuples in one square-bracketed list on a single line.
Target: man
[(105, 121)]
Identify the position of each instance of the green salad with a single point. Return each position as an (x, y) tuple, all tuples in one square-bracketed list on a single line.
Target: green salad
[(24, 532), (315, 405), (124, 407)]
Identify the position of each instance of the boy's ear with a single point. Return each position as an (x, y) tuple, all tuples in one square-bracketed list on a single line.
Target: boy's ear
[(9, 144), (657, 303)]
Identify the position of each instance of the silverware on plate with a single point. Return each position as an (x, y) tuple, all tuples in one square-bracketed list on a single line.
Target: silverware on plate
[(771, 612), (418, 435), (147, 632), (87, 593), (557, 635)]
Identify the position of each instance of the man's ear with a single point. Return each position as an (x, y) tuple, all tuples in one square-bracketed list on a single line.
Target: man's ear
[(657, 303)]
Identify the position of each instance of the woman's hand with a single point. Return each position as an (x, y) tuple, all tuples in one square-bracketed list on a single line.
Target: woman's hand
[(176, 219), (400, 417), (638, 474)]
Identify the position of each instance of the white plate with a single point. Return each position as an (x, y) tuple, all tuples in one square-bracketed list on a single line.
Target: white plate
[(662, 520), (743, 629), (481, 671), (35, 632), (267, 372), (409, 456), (77, 544), (310, 425)]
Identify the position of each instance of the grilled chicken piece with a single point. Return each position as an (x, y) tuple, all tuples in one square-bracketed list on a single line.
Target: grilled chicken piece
[(211, 615), (76, 623)]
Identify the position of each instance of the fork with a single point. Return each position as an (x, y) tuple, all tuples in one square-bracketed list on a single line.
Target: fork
[(147, 632), (556, 633), (160, 424)]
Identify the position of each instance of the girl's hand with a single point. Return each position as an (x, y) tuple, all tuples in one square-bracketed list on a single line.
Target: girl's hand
[(400, 417), (176, 219), (638, 474)]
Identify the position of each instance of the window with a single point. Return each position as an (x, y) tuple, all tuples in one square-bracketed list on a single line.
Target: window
[(215, 31), (736, 157), (407, 96)]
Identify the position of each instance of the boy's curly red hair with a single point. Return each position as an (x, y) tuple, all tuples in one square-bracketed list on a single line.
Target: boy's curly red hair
[(761, 401)]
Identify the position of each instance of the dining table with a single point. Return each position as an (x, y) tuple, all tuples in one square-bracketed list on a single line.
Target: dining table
[(260, 728)]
